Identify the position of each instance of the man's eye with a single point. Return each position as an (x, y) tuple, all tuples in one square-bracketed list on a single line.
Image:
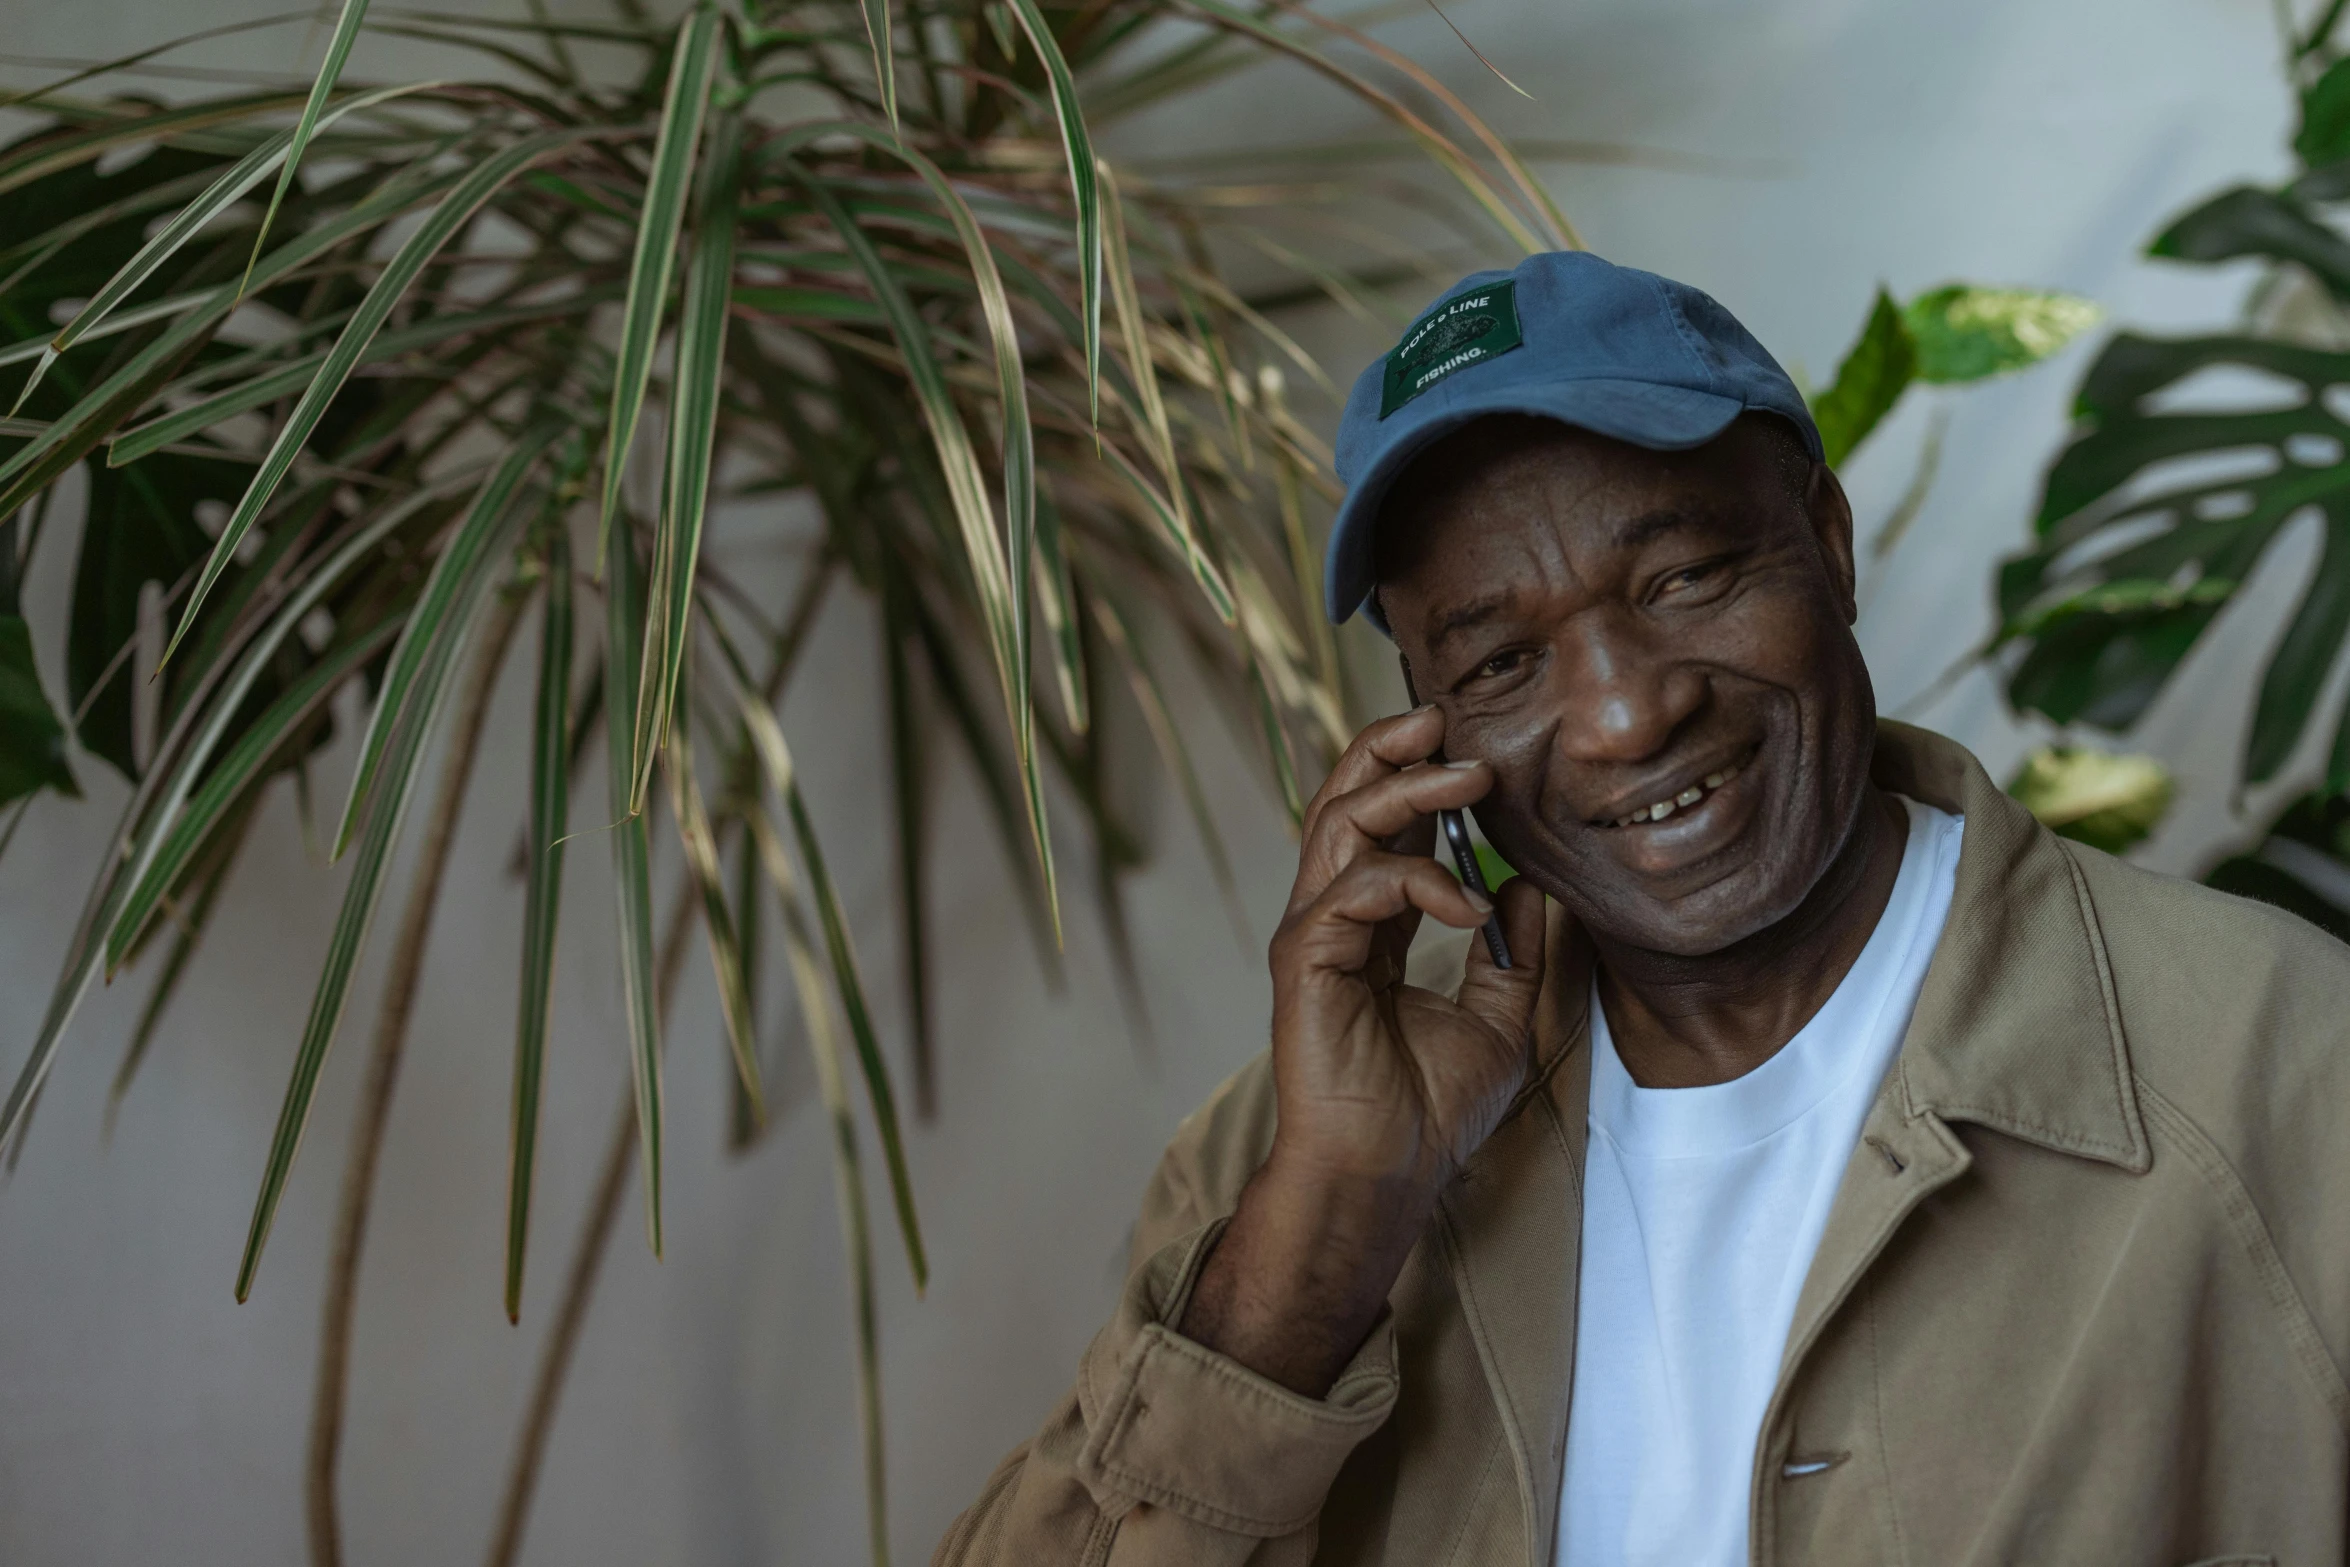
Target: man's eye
[(1683, 580), (1502, 663)]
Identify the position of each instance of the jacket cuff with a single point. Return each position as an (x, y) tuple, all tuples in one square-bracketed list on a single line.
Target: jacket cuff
[(1174, 1424)]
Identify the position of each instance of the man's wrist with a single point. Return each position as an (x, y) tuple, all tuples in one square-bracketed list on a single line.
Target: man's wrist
[(1299, 1276)]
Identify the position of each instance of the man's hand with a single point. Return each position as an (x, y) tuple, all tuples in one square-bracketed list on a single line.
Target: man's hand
[(1384, 1090)]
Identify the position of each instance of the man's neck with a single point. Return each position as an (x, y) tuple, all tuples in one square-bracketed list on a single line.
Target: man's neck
[(1681, 1022)]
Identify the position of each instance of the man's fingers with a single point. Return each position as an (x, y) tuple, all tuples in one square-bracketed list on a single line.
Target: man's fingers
[(1335, 931), (1504, 998), (1383, 747), (1353, 824)]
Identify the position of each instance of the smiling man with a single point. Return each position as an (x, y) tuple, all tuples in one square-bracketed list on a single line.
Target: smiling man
[(1844, 1170)]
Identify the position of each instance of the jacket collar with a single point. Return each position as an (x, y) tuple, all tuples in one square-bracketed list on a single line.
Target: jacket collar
[(2017, 1026)]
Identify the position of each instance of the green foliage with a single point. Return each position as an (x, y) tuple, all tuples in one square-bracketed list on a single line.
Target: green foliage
[(476, 326), (2324, 135), (2301, 864), (1875, 371), (2106, 801), (1965, 333), (1958, 332), (2165, 501), (32, 741)]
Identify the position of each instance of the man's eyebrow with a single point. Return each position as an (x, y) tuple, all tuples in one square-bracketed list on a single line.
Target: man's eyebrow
[(1649, 526), (1466, 617)]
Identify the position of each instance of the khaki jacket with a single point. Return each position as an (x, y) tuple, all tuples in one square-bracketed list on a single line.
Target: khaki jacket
[(2083, 1298)]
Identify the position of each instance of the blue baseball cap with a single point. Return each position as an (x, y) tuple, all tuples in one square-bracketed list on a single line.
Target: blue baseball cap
[(1565, 335)]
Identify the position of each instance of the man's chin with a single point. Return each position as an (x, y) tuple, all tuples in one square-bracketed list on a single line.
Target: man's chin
[(1729, 908)]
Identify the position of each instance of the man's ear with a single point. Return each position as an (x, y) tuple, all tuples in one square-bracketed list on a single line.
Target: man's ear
[(1831, 524)]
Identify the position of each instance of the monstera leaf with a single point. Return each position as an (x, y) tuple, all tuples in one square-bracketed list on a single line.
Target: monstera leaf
[(2126, 575), (2303, 865)]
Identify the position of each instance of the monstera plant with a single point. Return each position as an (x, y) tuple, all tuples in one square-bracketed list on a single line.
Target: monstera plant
[(385, 385), (2191, 460)]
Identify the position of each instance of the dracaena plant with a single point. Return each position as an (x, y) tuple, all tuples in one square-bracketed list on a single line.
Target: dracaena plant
[(369, 382)]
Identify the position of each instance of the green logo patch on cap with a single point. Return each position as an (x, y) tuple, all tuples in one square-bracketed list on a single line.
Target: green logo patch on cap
[(1465, 330)]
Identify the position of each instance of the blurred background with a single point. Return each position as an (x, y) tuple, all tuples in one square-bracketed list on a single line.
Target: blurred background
[(1789, 156)]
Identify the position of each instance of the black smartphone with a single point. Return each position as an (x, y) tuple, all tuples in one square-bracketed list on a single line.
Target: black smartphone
[(1464, 855)]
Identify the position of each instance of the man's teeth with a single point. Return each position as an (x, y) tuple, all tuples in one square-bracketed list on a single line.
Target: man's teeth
[(1687, 797)]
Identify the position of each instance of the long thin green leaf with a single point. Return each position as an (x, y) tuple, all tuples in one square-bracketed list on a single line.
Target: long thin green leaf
[(550, 820), (338, 50), (192, 922), (908, 764), (726, 958), (885, 64), (453, 213), (287, 379), (360, 896), (966, 488), (624, 624), (1160, 720), (1057, 595), (453, 574), (999, 781), (222, 194), (1077, 144), (226, 784), (848, 1182), (1018, 455), (160, 795), (70, 436), (1151, 419), (694, 402), (682, 110), (29, 163), (776, 762)]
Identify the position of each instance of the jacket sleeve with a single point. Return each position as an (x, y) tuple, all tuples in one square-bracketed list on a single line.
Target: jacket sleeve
[(1165, 1453)]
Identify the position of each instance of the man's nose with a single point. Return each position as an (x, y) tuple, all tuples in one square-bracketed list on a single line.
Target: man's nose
[(1626, 694)]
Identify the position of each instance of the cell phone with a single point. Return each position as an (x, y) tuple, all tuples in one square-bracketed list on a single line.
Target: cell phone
[(1464, 855)]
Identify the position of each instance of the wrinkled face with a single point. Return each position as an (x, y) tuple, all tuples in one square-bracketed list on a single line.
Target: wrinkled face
[(1654, 652)]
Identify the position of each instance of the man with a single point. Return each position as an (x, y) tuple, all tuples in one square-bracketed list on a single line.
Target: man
[(1844, 1170)]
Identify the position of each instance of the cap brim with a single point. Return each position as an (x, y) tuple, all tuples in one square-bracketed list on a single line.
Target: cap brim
[(1644, 413)]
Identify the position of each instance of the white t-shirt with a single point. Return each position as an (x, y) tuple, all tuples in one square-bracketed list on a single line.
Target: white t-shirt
[(1702, 1208)]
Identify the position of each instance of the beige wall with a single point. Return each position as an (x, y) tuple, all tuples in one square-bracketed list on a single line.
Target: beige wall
[(148, 1418)]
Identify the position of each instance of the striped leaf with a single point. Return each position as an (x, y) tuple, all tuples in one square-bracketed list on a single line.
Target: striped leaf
[(693, 434), (848, 1181), (455, 210), (70, 437), (966, 488), (338, 50), (217, 198), (1077, 144), (225, 786), (453, 575), (161, 793), (624, 621), (726, 957), (550, 820), (286, 380), (691, 72), (776, 764), (401, 765)]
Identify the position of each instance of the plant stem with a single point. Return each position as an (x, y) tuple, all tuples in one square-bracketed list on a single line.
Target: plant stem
[(587, 1260), (330, 1396)]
